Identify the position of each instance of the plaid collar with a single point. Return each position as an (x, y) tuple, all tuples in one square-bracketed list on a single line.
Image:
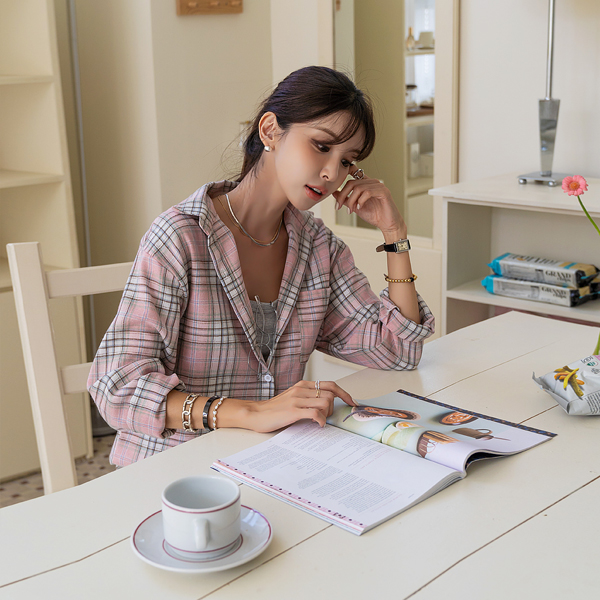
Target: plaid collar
[(301, 222), (301, 229)]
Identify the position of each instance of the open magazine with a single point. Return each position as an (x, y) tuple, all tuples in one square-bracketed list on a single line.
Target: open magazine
[(369, 464)]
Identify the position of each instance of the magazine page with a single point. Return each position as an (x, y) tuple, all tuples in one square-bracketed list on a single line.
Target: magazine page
[(343, 478), (435, 431)]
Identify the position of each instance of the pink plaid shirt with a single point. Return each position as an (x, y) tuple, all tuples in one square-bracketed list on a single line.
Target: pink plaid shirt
[(185, 322)]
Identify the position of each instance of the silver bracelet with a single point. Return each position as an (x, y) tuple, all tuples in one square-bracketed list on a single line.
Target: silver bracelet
[(186, 413), (215, 411)]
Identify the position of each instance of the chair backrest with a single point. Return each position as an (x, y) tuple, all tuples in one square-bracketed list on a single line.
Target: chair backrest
[(48, 383)]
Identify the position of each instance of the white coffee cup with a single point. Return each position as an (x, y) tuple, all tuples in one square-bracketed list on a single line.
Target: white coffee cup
[(201, 517)]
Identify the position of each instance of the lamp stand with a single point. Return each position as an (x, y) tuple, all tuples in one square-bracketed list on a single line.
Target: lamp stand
[(548, 114)]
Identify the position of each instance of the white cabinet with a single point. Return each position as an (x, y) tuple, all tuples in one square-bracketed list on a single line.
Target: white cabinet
[(486, 218), (36, 204)]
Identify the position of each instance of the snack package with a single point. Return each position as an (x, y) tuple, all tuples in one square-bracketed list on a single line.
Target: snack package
[(576, 387), (544, 270), (539, 292)]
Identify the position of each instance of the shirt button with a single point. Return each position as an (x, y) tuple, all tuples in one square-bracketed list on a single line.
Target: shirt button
[(268, 378)]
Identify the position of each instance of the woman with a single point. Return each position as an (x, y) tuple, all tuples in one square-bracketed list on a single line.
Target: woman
[(233, 289)]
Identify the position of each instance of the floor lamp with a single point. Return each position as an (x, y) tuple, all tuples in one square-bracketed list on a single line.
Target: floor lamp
[(548, 111)]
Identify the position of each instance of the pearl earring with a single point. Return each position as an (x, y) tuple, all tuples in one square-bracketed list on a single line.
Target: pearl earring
[(267, 148)]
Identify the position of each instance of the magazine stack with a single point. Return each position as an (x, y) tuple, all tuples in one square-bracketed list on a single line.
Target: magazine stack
[(543, 280)]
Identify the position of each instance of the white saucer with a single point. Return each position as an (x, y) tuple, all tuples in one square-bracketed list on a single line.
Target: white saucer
[(147, 542)]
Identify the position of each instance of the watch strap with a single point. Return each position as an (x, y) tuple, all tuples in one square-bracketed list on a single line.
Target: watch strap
[(397, 247)]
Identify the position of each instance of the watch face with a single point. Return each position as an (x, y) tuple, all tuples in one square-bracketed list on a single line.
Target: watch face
[(402, 246)]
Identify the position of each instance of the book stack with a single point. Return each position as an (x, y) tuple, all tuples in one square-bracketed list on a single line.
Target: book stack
[(543, 280)]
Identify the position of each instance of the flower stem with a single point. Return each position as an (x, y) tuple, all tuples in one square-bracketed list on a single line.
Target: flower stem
[(587, 214)]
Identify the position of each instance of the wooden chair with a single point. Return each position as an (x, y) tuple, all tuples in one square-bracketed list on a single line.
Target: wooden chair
[(48, 383)]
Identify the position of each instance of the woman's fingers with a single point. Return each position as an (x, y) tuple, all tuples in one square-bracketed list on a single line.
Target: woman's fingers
[(336, 390), (356, 193), (316, 408), (317, 411), (314, 415), (348, 189), (300, 402), (357, 173)]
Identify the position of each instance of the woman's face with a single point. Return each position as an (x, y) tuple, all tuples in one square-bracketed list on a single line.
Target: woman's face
[(309, 166)]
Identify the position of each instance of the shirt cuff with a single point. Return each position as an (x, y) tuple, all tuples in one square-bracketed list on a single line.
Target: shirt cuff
[(398, 324), (148, 406)]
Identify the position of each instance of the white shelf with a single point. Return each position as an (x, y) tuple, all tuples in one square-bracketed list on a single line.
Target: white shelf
[(506, 192), (25, 79), (473, 291), (36, 204), (12, 179), (420, 52), (485, 218), (419, 121), (420, 185)]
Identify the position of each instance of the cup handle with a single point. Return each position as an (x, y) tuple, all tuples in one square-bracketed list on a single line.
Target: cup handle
[(201, 533)]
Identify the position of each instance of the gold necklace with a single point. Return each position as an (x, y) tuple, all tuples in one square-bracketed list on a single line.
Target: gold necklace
[(241, 227)]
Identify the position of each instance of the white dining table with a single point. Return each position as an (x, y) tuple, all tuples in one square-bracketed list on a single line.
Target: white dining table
[(524, 526)]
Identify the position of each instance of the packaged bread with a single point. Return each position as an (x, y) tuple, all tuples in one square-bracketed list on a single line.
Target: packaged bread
[(538, 292), (544, 270), (576, 387)]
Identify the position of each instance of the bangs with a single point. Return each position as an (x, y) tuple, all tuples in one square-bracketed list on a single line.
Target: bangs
[(357, 119)]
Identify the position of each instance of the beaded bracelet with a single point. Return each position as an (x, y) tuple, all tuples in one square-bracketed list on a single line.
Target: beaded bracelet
[(407, 280), (215, 409), (186, 413)]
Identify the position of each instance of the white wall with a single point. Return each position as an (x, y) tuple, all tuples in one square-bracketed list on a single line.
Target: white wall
[(343, 33), (211, 72), (503, 75), (119, 124), (163, 96), (162, 99), (301, 35)]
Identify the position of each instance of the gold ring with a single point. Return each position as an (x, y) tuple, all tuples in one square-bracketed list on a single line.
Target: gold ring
[(318, 388), (358, 174)]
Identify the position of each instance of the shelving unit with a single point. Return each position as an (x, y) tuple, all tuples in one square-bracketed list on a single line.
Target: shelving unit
[(420, 51), (21, 79), (483, 219), (36, 204), (13, 179), (358, 49), (419, 121), (418, 205)]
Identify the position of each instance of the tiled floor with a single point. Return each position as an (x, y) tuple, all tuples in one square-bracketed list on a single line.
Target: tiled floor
[(30, 487)]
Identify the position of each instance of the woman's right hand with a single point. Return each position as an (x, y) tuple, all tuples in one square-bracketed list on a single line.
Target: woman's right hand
[(298, 402)]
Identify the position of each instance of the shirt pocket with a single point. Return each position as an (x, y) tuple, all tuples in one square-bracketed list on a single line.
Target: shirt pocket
[(311, 308)]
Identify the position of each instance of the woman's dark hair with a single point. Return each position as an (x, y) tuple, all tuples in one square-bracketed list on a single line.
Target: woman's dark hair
[(307, 95)]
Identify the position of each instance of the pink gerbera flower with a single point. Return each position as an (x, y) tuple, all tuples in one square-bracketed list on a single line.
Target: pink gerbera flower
[(574, 186)]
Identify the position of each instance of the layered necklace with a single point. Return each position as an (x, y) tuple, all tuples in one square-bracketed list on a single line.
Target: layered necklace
[(241, 227)]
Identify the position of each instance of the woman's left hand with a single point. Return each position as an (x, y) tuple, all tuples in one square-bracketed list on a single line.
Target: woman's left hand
[(372, 202)]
